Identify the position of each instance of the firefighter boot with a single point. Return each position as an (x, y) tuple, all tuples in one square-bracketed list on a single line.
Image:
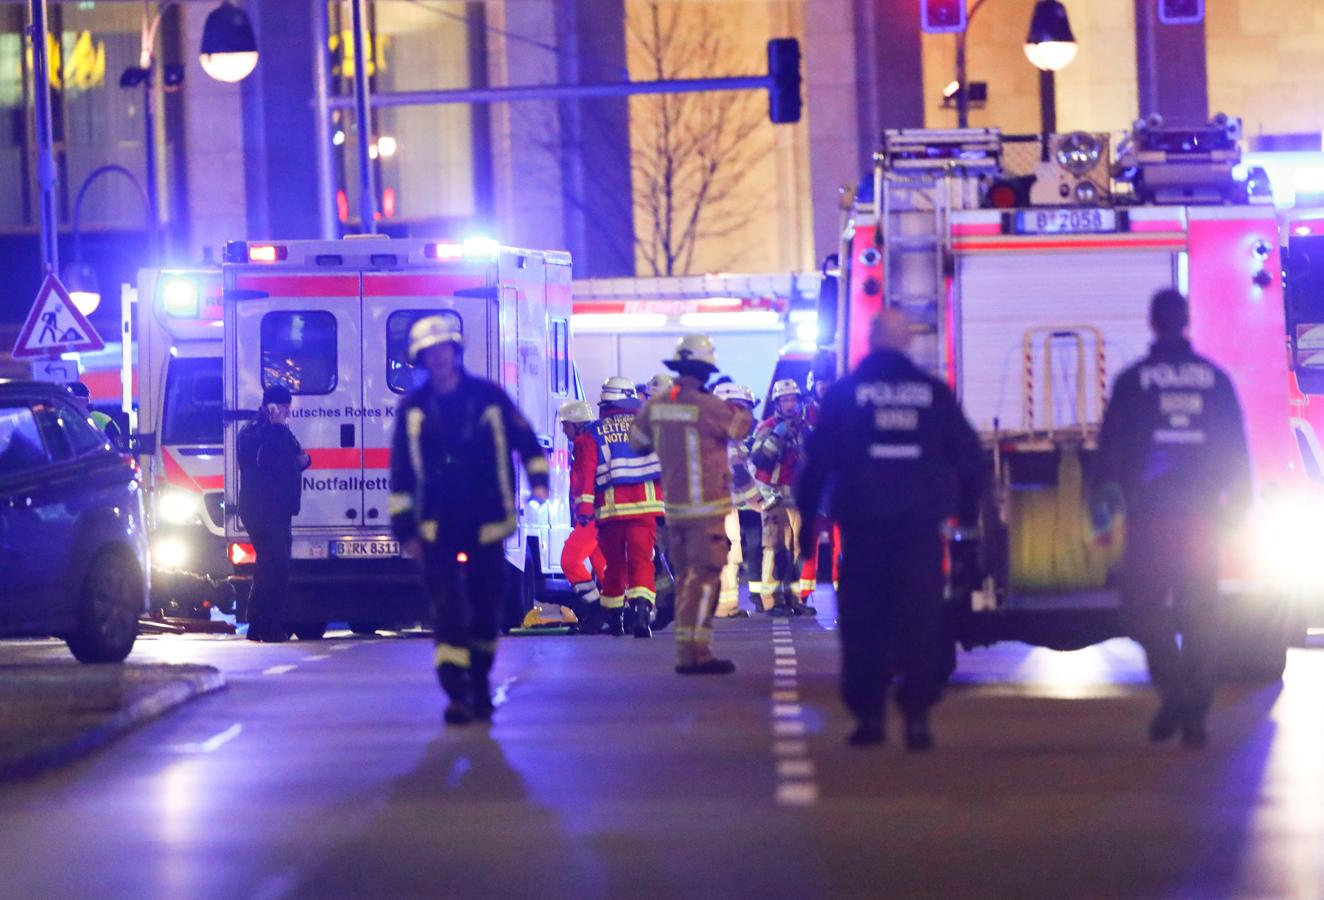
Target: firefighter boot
[(643, 618), (918, 737), (455, 682), (798, 607), (710, 667), (615, 621), (591, 620), (869, 732), (480, 688)]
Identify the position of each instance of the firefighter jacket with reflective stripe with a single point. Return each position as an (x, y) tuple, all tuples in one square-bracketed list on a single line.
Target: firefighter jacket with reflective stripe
[(744, 489), (627, 480), (583, 471), (690, 430), (452, 476), (1173, 437), (778, 455), (892, 448)]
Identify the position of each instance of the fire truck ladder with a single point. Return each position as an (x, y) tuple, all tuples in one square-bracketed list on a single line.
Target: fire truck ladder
[(916, 209)]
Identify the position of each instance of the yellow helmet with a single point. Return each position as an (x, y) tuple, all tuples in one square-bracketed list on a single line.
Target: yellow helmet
[(617, 388), (785, 387), (693, 348), (431, 331), (576, 412)]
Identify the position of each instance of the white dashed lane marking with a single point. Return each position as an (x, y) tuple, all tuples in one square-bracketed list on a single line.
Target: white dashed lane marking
[(278, 670), (795, 770)]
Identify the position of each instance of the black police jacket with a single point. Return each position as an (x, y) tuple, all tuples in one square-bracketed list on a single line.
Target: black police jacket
[(892, 447), (1173, 437), (452, 477), (271, 465)]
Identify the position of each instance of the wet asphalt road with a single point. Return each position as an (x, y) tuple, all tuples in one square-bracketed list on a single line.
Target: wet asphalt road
[(324, 771)]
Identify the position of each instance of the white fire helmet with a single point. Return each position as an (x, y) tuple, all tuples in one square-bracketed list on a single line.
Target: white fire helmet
[(431, 331), (729, 390), (659, 383), (617, 388), (785, 387), (693, 348), (576, 412)]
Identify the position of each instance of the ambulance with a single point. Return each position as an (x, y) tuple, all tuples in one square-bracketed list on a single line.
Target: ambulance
[(172, 361), (330, 321), (1026, 264)]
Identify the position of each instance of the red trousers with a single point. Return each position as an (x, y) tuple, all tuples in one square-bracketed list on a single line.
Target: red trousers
[(581, 549), (627, 544), (809, 573)]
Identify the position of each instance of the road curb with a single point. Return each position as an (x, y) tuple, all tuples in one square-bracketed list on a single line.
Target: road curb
[(138, 712)]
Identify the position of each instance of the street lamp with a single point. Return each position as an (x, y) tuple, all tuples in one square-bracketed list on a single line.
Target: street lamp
[(1050, 46), (229, 47), (80, 278)]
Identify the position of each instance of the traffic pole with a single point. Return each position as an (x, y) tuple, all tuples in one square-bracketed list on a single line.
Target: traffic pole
[(47, 174), (362, 115)]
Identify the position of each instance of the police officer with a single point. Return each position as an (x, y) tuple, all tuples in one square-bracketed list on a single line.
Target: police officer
[(902, 458), (1172, 449), (453, 504), (690, 430), (271, 464)]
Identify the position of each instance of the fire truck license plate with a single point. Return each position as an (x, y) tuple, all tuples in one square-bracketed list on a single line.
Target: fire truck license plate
[(364, 549), (1065, 221)]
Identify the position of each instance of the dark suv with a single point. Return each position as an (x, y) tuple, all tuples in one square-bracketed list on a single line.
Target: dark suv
[(72, 546)]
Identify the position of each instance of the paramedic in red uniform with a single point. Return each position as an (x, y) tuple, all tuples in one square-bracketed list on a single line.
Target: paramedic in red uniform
[(1173, 451), (894, 457), (453, 505), (629, 500), (581, 547)]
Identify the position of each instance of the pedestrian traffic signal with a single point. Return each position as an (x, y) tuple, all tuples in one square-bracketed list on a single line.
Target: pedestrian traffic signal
[(1181, 12), (784, 69), (942, 16)]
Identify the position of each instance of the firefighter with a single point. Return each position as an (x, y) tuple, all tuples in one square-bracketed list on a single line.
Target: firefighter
[(453, 504), (901, 458), (1172, 451), (777, 455), (656, 385), (271, 465), (628, 503), (744, 495), (690, 430), (581, 547)]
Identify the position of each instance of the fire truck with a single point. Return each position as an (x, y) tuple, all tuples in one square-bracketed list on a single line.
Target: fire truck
[(174, 318), (764, 325), (330, 321), (1025, 265)]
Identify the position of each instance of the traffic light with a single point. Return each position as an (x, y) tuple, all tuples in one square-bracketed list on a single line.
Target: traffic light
[(784, 70), (1180, 12), (942, 16)]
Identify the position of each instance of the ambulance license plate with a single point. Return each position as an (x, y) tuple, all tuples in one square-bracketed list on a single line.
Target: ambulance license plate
[(364, 549), (1065, 221)]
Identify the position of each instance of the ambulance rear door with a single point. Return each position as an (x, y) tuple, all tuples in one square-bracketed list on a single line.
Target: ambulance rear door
[(392, 303), (303, 331)]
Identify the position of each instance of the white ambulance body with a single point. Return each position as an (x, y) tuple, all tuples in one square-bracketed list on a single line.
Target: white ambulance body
[(177, 434), (627, 326), (330, 321)]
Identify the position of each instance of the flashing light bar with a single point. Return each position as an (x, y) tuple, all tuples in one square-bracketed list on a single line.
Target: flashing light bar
[(179, 298), (469, 248), (444, 250), (267, 253)]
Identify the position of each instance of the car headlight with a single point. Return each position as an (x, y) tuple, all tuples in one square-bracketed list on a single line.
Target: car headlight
[(1286, 546), (170, 553), (176, 507)]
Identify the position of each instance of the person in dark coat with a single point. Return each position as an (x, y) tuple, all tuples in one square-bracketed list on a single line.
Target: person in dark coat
[(1173, 453), (898, 458), (271, 465), (454, 502)]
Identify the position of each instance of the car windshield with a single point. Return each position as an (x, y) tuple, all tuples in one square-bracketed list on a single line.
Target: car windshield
[(193, 402)]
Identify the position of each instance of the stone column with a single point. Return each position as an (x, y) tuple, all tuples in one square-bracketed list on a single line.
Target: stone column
[(1172, 76)]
